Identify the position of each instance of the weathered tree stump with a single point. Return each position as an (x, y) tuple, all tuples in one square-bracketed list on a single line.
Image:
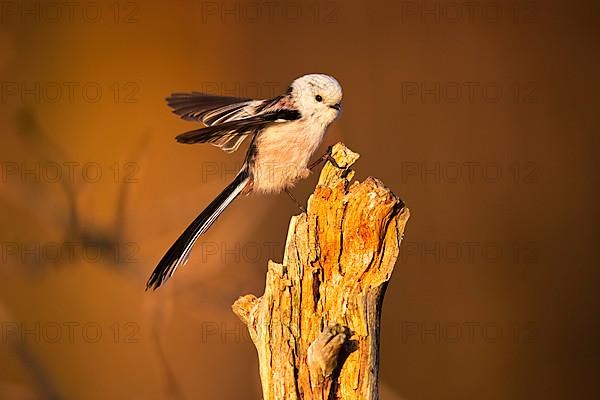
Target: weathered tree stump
[(316, 328)]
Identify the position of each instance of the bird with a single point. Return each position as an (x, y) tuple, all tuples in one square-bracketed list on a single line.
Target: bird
[(284, 132)]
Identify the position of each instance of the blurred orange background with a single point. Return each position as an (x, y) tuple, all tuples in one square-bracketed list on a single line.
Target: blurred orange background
[(482, 117)]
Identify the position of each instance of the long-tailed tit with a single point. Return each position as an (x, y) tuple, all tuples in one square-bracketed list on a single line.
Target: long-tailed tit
[(284, 132)]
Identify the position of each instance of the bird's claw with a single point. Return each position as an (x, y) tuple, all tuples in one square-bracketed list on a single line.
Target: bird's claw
[(328, 156)]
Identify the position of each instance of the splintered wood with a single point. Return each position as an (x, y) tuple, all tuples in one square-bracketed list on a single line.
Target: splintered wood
[(316, 327)]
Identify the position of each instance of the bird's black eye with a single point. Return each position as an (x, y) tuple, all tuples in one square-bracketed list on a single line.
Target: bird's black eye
[(318, 98)]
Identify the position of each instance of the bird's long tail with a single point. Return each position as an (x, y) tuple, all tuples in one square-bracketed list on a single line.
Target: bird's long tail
[(180, 250)]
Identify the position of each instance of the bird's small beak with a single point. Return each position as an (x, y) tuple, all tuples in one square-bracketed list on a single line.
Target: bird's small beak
[(337, 106)]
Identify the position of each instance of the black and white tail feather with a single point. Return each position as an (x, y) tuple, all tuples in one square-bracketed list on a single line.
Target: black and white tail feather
[(179, 252)]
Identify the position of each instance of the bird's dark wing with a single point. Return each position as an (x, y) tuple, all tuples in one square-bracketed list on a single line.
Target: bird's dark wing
[(228, 135), (196, 106), (214, 110)]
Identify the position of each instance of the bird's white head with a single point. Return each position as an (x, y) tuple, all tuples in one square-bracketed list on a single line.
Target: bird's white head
[(317, 96)]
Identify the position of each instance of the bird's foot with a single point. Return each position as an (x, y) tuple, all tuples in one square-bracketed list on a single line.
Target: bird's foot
[(328, 156)]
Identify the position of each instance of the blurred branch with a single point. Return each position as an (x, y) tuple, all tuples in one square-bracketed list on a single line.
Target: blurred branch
[(173, 390), (45, 387), (47, 150), (316, 328)]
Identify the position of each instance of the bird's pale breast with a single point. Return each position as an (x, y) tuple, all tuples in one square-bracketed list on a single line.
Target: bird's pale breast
[(284, 151)]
